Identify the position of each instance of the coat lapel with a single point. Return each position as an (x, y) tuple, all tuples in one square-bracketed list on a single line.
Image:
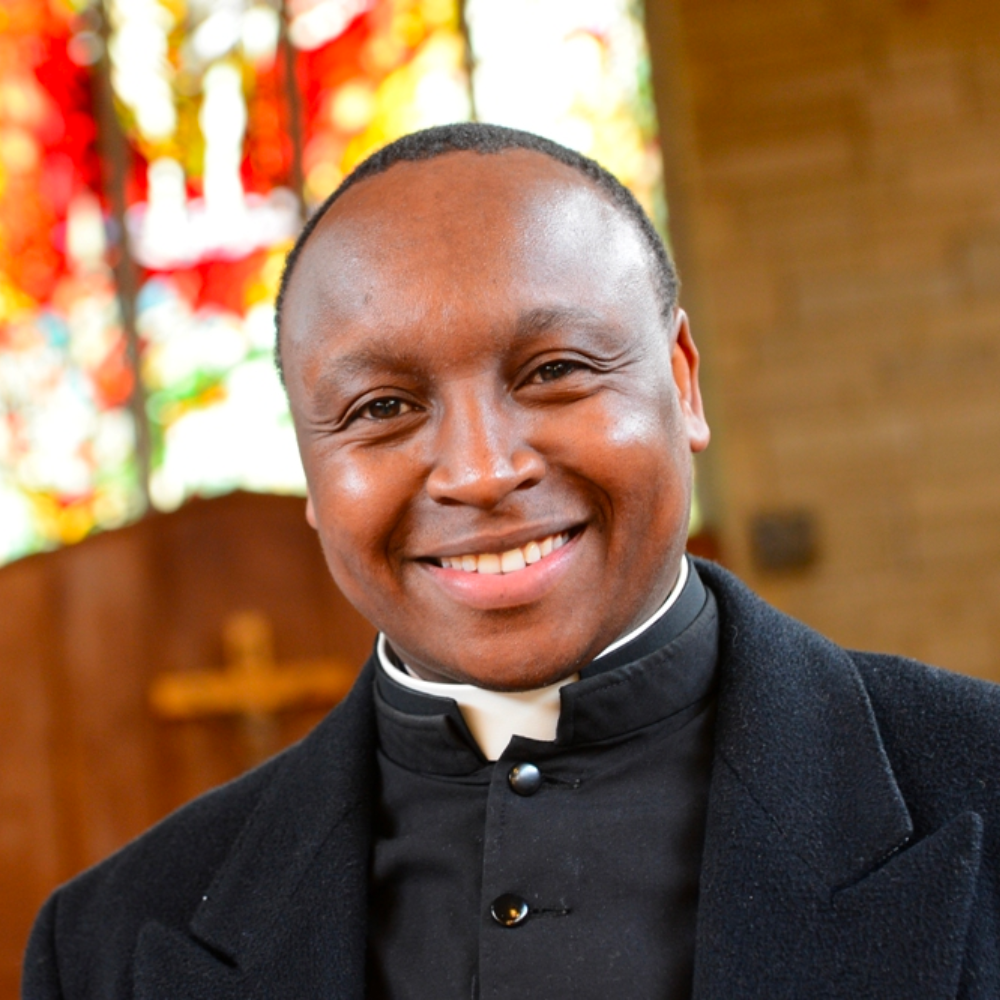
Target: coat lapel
[(813, 882), (285, 916)]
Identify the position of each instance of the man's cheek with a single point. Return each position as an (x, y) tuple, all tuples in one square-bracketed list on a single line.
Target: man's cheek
[(638, 428), (357, 543), (348, 482), (353, 574)]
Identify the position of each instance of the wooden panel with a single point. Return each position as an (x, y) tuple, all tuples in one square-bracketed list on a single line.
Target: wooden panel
[(30, 833), (105, 610)]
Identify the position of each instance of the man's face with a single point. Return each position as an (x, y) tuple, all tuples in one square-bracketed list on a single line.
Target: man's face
[(482, 379)]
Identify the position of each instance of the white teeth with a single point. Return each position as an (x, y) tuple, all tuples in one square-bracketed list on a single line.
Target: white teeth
[(489, 562), (512, 561), (507, 562)]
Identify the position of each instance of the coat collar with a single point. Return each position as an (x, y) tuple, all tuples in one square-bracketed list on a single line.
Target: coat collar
[(812, 883), (797, 730)]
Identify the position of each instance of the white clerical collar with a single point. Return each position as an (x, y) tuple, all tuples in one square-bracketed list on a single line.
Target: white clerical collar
[(493, 717)]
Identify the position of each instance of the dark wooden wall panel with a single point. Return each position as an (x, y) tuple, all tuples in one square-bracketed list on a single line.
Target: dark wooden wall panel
[(107, 602), (29, 821)]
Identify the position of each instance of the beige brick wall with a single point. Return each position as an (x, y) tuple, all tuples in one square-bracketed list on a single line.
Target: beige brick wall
[(834, 180)]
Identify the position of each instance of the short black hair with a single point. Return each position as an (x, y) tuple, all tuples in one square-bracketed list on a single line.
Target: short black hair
[(479, 137)]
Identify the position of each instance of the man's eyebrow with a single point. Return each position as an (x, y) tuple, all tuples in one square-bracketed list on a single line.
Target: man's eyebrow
[(386, 358), (342, 370), (538, 321)]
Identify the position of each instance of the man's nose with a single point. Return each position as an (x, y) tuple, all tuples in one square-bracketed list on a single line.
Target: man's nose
[(480, 455)]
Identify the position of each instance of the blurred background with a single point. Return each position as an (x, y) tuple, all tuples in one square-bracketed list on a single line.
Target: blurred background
[(827, 173)]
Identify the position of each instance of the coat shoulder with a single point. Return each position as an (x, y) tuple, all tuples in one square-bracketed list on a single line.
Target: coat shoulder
[(158, 876), (941, 731), (88, 927)]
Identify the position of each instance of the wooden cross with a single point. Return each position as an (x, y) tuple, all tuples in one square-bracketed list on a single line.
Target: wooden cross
[(252, 686)]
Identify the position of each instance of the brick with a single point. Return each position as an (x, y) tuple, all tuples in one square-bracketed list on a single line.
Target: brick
[(846, 159), (794, 159)]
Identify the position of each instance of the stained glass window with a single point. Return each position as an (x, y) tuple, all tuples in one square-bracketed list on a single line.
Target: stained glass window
[(398, 68), (67, 454), (200, 100), (157, 158), (576, 71)]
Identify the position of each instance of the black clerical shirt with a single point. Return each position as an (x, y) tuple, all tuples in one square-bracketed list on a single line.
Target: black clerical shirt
[(566, 868)]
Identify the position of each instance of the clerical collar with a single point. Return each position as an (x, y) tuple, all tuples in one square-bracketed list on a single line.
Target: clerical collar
[(494, 717)]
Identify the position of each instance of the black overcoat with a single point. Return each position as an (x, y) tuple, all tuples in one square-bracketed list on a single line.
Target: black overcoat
[(852, 847)]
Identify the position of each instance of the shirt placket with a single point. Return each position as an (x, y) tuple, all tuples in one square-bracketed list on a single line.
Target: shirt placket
[(530, 879)]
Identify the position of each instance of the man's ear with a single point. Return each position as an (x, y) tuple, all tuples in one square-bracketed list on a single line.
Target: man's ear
[(310, 511), (684, 361)]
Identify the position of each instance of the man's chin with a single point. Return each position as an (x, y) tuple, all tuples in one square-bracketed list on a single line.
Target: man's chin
[(506, 659)]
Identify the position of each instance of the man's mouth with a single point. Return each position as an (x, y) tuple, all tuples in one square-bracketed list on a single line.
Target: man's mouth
[(492, 563)]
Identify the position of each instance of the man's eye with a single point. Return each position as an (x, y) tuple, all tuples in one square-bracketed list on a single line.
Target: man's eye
[(385, 408), (553, 370)]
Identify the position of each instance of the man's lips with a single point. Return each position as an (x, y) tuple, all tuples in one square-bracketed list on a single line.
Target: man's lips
[(493, 558), (491, 586), (496, 542)]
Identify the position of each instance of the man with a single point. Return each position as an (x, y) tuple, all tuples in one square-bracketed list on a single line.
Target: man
[(578, 764)]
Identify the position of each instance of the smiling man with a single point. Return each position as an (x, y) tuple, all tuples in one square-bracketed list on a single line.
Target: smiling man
[(496, 428), (578, 764)]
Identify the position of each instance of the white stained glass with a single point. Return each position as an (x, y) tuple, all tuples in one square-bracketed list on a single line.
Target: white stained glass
[(246, 442), (316, 22), (576, 71), (66, 458), (215, 400), (140, 69), (62, 427)]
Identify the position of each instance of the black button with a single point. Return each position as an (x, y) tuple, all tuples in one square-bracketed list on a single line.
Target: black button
[(509, 910), (525, 779)]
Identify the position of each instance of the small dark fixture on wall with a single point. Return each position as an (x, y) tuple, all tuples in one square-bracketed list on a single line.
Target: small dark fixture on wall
[(783, 541)]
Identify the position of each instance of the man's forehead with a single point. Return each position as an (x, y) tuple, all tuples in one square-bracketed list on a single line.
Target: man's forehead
[(468, 210), (407, 246), (506, 190)]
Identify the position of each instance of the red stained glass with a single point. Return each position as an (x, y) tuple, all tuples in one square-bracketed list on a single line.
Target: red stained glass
[(397, 67), (66, 441)]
